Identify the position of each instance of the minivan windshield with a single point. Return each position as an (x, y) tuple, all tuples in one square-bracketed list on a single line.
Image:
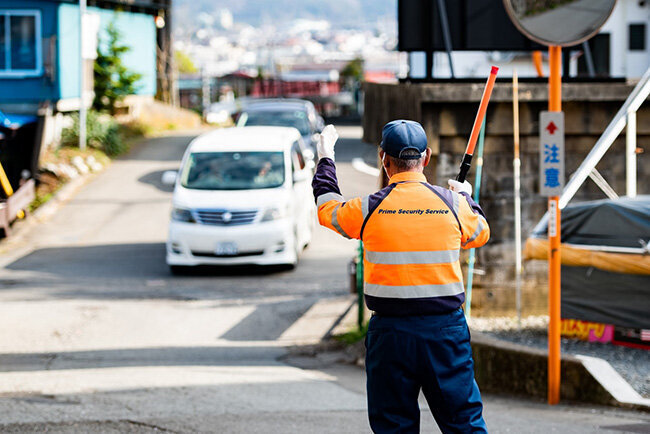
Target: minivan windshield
[(233, 170), (277, 118)]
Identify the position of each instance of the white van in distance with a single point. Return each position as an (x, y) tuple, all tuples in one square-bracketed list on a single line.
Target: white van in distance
[(242, 196)]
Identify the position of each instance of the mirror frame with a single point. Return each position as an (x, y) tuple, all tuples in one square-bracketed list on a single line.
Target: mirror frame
[(515, 21)]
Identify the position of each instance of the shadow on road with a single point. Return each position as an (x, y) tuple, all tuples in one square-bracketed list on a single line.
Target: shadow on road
[(105, 261), (155, 179), (155, 149), (143, 260), (161, 356), (256, 326)]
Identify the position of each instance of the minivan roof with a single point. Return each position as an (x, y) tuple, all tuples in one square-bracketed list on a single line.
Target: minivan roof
[(246, 139)]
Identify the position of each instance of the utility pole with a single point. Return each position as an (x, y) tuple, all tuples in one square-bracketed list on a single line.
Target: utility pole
[(82, 78)]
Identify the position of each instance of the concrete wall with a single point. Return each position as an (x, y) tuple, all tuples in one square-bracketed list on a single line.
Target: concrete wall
[(447, 113)]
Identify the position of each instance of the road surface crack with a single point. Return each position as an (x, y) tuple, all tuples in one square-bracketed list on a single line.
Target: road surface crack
[(149, 425)]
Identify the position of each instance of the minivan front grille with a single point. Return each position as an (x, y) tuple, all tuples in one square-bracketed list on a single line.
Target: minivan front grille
[(224, 217)]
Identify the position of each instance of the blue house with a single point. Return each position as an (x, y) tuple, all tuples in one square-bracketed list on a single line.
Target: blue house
[(40, 46)]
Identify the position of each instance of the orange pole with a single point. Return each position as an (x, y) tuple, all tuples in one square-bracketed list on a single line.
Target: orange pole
[(537, 61), (482, 108), (554, 264)]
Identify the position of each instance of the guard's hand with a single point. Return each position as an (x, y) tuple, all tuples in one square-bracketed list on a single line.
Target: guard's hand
[(326, 142), (460, 187)]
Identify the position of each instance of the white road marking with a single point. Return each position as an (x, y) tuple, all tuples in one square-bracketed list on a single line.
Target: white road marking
[(361, 166)]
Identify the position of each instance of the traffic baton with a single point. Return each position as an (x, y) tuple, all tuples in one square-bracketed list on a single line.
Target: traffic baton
[(482, 108)]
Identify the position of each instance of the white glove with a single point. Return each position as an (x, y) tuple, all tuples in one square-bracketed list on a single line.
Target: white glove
[(326, 142), (460, 187)]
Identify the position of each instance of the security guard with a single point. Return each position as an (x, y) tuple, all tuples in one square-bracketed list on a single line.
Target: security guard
[(412, 233)]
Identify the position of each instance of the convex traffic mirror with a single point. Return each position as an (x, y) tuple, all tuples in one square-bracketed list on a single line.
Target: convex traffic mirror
[(559, 22)]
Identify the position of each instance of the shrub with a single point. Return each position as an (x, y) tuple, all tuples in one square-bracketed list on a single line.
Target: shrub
[(102, 132)]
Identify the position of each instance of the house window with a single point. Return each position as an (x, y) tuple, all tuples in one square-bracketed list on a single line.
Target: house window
[(20, 43), (637, 37)]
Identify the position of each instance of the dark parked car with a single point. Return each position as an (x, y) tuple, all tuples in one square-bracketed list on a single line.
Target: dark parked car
[(297, 113)]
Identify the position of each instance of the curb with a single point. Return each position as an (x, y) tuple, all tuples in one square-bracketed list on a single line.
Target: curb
[(47, 210), (502, 366), (611, 380), (505, 367)]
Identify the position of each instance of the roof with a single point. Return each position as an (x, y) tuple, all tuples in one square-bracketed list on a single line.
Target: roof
[(278, 105), (245, 139)]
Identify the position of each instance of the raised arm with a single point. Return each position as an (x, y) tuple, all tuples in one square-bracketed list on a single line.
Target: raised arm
[(345, 218), (474, 225)]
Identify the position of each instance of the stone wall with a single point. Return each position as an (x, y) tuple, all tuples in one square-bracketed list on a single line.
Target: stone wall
[(447, 112)]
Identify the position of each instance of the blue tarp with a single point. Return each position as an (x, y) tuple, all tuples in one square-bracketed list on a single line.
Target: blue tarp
[(16, 121)]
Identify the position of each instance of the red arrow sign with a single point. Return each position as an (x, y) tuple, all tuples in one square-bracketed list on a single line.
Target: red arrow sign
[(551, 127)]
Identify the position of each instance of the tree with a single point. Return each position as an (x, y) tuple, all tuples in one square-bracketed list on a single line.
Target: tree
[(113, 80), (184, 63), (353, 70)]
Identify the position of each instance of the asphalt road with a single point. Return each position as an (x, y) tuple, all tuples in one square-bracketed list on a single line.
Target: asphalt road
[(98, 336)]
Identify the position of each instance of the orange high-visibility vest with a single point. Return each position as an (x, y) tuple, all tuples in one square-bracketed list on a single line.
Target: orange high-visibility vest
[(412, 234)]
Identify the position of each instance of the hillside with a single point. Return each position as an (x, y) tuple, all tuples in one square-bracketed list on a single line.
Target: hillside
[(340, 12)]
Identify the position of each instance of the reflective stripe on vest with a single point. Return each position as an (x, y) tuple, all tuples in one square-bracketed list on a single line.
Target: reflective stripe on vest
[(324, 198), (335, 223), (454, 198), (365, 206), (401, 258), (414, 291), (479, 228)]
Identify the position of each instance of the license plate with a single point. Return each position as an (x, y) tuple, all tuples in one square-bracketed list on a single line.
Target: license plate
[(226, 249)]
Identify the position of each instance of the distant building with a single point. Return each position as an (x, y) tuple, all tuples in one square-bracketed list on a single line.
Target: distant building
[(40, 51), (621, 49)]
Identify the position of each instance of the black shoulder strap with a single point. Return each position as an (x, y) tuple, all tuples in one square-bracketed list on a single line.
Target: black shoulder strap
[(375, 206), (450, 206)]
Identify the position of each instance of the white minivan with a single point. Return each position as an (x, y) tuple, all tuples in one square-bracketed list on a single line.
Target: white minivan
[(241, 196)]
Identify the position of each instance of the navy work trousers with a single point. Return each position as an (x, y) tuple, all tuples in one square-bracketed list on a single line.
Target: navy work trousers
[(432, 353)]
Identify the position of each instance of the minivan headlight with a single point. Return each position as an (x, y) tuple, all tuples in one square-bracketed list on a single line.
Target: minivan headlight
[(182, 215), (273, 213)]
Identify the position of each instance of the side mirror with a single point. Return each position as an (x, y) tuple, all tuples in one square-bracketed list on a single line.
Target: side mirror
[(299, 176), (169, 177), (315, 138), (308, 154)]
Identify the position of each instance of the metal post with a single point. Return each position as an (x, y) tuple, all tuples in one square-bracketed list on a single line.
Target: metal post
[(446, 35), (554, 266), (537, 62), (205, 91), (360, 304), (588, 59), (82, 78), (630, 154), (477, 193), (517, 184), (632, 103)]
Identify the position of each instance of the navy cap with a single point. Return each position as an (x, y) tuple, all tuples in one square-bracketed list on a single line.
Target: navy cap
[(400, 135)]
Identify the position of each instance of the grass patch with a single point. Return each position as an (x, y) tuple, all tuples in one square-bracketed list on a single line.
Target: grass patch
[(353, 336), (49, 183)]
